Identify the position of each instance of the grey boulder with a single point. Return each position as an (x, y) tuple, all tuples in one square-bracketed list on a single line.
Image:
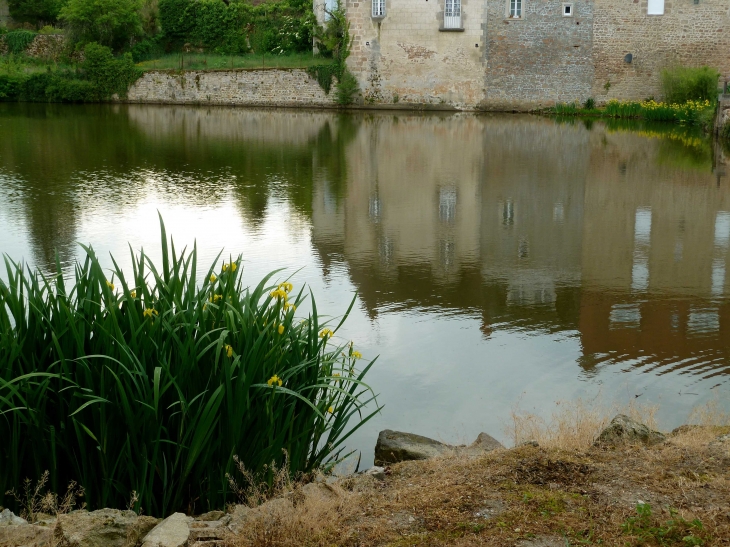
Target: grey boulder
[(8, 518), (102, 528), (171, 532), (397, 446), (623, 429)]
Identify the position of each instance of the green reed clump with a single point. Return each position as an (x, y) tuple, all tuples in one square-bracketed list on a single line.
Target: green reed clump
[(566, 109), (153, 383)]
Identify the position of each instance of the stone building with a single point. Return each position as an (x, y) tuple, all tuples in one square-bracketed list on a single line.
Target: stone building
[(522, 54)]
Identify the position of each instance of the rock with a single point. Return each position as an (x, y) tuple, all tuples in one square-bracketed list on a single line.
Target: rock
[(102, 528), (171, 532), (318, 491), (623, 429), (376, 472), (491, 509), (211, 515), (25, 535), (396, 446), (8, 518), (534, 444), (484, 443)]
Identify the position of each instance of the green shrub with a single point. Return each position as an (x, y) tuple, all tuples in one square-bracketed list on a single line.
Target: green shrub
[(48, 29), (19, 40), (236, 27), (566, 109), (107, 74), (35, 11), (10, 87), (682, 84), (590, 104), (347, 88), (109, 22), (153, 383)]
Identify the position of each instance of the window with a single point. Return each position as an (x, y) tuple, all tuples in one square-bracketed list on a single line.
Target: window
[(452, 14), (567, 10), (515, 9), (329, 7), (656, 7), (378, 9)]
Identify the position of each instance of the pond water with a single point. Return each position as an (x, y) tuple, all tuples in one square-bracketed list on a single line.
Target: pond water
[(497, 259)]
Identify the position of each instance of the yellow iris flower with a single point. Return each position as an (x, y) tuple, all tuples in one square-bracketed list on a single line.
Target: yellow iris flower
[(274, 380)]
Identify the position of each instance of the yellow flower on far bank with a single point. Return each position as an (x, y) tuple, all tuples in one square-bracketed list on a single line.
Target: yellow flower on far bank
[(213, 278), (229, 350), (217, 297), (281, 329), (149, 312), (331, 410), (225, 267), (325, 332), (287, 287), (356, 355), (274, 380), (110, 285), (233, 266), (133, 294)]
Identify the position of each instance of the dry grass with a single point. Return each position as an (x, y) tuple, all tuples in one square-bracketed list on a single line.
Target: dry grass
[(574, 494)]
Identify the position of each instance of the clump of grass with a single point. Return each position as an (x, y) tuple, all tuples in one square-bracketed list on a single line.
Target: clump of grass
[(684, 84), (573, 425), (204, 61), (152, 383), (566, 109), (646, 529), (36, 500)]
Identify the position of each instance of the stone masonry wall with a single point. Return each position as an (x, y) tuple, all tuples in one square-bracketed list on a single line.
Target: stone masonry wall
[(540, 58), (687, 34), (260, 87), (406, 57), (43, 46)]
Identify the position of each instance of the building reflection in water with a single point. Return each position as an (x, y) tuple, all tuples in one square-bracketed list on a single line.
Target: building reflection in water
[(535, 225)]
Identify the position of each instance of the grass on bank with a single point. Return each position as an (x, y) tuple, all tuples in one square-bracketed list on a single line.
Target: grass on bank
[(202, 61), (700, 113), (151, 386), (563, 492)]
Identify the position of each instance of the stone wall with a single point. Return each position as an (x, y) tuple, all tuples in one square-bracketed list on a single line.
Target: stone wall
[(259, 87), (43, 46), (689, 33), (540, 58)]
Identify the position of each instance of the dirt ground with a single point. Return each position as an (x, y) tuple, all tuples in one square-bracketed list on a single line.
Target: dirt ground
[(674, 493)]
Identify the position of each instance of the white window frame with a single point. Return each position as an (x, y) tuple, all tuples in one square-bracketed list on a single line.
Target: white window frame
[(572, 9), (515, 9), (655, 7), (452, 14), (378, 9)]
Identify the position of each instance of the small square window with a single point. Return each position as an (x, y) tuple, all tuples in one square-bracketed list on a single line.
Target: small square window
[(378, 9), (655, 7), (568, 10)]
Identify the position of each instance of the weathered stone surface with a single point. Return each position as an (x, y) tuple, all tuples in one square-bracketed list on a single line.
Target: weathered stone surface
[(8, 518), (265, 87), (174, 531), (102, 528), (484, 443), (211, 515), (542, 541), (397, 446), (376, 472), (26, 535), (623, 429)]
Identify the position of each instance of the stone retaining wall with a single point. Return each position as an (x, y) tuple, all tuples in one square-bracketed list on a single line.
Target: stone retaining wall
[(259, 87), (43, 46)]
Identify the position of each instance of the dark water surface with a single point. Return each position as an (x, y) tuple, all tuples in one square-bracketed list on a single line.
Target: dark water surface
[(497, 259)]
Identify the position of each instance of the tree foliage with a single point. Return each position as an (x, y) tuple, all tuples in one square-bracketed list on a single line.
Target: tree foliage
[(35, 11), (109, 22)]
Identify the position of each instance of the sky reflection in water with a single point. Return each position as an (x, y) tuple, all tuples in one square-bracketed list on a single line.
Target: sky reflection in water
[(497, 259)]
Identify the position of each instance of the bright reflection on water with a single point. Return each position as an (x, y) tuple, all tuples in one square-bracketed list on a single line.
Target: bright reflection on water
[(496, 259)]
